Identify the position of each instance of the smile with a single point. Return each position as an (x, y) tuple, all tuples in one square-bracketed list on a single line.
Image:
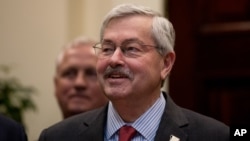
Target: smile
[(117, 75)]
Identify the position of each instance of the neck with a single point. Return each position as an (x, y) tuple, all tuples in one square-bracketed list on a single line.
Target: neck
[(131, 109)]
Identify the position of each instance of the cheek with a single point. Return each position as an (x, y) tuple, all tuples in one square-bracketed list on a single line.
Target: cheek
[(94, 87), (63, 87), (148, 69), (101, 66)]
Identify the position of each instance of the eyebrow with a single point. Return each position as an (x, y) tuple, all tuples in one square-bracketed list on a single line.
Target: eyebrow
[(126, 40)]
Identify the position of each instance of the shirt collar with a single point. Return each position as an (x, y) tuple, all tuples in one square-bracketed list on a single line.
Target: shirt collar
[(147, 124)]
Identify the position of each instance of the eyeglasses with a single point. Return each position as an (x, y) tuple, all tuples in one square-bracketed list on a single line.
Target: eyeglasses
[(131, 49)]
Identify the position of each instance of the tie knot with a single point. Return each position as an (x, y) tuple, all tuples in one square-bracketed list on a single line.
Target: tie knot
[(126, 133)]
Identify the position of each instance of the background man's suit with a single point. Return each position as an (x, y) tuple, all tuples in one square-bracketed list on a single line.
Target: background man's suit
[(176, 121), (10, 130)]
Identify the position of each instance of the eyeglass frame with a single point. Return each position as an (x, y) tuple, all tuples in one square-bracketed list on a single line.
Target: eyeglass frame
[(99, 46)]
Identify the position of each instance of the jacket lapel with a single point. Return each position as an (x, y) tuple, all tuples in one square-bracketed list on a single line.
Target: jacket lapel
[(172, 122), (92, 128)]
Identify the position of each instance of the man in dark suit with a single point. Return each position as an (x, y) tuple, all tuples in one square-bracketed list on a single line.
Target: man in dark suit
[(77, 89), (10, 130), (135, 55)]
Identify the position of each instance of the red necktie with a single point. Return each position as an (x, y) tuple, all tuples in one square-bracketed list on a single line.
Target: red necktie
[(126, 133)]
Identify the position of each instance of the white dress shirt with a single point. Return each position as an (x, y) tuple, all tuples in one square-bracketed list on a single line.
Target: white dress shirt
[(146, 125)]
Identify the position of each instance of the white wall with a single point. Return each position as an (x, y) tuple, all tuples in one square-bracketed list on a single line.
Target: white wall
[(31, 35)]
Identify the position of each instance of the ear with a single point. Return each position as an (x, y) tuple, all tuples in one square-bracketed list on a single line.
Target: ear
[(55, 80), (55, 84), (168, 61)]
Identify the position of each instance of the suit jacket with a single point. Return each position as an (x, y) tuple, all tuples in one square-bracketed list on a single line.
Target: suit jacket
[(10, 130), (179, 122)]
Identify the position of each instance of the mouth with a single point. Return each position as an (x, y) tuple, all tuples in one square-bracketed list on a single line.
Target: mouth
[(78, 96), (116, 75)]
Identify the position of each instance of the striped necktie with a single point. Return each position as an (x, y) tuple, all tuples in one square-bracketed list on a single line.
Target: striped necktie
[(126, 133)]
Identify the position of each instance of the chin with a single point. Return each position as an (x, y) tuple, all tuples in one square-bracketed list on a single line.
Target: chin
[(77, 108), (77, 111), (113, 95)]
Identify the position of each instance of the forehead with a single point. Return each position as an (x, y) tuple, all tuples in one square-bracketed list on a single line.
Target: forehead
[(133, 26), (80, 56), (80, 50)]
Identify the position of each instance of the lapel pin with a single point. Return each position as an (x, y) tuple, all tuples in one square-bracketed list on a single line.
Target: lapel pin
[(174, 138)]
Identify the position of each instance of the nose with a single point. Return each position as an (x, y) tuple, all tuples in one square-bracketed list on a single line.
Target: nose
[(80, 82), (117, 58)]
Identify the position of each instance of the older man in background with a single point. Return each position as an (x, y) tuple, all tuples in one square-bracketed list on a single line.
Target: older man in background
[(76, 86)]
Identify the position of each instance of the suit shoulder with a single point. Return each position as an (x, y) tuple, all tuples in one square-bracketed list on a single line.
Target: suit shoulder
[(9, 123), (11, 130), (77, 119), (197, 118), (200, 124), (71, 126)]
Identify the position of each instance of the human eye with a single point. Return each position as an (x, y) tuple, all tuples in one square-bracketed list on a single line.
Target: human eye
[(107, 48), (69, 73), (91, 73), (133, 48)]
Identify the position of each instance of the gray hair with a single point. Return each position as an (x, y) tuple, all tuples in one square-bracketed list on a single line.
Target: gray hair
[(73, 44), (163, 32)]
